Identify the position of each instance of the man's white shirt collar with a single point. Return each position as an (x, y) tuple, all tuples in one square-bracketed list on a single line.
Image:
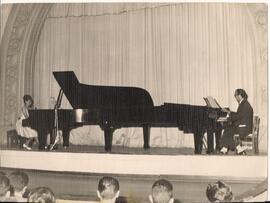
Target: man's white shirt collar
[(241, 101)]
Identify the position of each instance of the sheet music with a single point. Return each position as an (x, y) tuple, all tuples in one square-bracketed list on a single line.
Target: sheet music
[(211, 102)]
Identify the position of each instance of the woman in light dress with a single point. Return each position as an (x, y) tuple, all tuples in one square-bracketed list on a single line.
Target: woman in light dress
[(26, 132)]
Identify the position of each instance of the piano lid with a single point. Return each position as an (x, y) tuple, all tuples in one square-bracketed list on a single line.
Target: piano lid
[(69, 83), (82, 96)]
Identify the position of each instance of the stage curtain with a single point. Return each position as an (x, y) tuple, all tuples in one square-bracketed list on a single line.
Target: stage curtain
[(179, 53)]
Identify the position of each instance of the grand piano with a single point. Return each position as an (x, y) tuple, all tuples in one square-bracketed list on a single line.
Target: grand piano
[(113, 107)]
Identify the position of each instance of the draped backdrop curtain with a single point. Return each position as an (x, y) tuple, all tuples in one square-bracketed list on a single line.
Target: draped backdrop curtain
[(179, 53)]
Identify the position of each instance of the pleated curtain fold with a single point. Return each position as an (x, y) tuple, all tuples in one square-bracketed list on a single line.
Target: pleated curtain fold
[(179, 53)]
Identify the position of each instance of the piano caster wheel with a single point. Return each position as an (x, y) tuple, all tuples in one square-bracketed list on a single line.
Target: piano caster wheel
[(47, 147), (146, 147), (108, 150)]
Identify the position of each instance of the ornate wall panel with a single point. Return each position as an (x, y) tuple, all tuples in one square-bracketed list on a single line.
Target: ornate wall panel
[(18, 47), (258, 25)]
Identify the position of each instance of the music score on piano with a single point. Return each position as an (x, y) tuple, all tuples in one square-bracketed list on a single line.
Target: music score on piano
[(212, 103)]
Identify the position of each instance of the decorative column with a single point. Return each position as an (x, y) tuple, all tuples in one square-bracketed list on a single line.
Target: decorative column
[(18, 48), (258, 24)]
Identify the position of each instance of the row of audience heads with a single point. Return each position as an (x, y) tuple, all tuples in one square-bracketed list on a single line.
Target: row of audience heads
[(14, 187), (162, 191)]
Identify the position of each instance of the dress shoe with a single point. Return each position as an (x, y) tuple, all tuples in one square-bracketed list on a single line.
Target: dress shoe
[(27, 147), (240, 150), (242, 153), (224, 150), (223, 153)]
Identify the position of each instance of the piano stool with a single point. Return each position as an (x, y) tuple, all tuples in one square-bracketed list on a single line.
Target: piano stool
[(14, 140), (251, 142)]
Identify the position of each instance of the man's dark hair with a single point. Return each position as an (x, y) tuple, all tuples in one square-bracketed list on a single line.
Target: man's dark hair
[(41, 195), (19, 180), (210, 193), (242, 93), (4, 185), (108, 187), (162, 191)]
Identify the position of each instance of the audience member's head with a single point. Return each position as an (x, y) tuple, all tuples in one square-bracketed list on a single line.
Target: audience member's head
[(219, 192), (19, 181), (2, 173), (108, 189), (4, 185), (162, 192), (41, 195)]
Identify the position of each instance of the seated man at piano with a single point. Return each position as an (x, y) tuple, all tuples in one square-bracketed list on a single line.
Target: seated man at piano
[(23, 131), (239, 122)]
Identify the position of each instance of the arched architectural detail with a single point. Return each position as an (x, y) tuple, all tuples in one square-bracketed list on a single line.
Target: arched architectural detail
[(18, 47), (257, 14), (21, 36)]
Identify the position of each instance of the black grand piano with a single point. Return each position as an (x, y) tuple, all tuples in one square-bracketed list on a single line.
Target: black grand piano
[(113, 107)]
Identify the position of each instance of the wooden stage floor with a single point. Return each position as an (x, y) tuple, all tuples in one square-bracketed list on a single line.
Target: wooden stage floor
[(126, 150)]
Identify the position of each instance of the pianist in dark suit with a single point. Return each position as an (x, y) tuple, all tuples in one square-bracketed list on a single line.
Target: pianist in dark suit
[(26, 132), (239, 122)]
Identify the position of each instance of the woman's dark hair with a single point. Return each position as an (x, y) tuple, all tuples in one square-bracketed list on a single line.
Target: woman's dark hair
[(27, 97), (41, 195), (212, 189), (242, 93)]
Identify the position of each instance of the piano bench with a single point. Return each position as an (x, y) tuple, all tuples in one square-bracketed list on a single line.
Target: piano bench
[(13, 139)]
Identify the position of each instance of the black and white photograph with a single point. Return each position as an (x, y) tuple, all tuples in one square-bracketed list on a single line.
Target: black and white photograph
[(133, 102)]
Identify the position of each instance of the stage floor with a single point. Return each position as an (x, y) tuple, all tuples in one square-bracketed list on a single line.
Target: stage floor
[(145, 164), (115, 150), (127, 150)]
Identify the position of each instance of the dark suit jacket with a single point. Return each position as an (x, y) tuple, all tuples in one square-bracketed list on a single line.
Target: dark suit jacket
[(243, 116)]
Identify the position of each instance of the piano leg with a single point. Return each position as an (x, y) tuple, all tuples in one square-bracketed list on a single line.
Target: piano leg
[(218, 137), (42, 139), (210, 141), (146, 137), (108, 134), (66, 132), (198, 140)]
